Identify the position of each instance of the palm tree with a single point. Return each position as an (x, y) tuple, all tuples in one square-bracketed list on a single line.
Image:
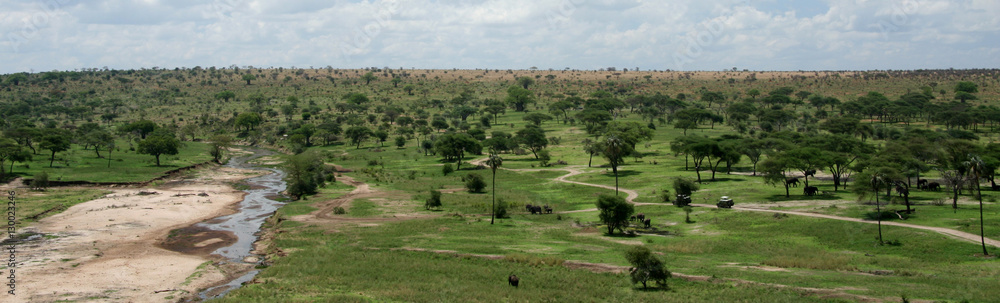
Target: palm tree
[(976, 167), (879, 177), (494, 162), (614, 151)]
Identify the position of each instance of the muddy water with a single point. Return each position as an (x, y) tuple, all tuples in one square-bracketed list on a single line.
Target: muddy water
[(256, 207)]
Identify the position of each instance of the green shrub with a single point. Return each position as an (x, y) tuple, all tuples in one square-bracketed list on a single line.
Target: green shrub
[(447, 169), (501, 211), (474, 182), (434, 201), (41, 181)]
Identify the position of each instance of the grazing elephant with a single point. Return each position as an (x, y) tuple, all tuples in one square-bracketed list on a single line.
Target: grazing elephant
[(632, 218), (548, 210), (513, 280), (933, 186), (536, 210), (811, 172), (810, 190), (647, 223), (640, 217), (922, 183), (527, 207), (902, 190), (793, 182)]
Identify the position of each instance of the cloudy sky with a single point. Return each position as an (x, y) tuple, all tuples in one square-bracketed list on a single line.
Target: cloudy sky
[(43, 35)]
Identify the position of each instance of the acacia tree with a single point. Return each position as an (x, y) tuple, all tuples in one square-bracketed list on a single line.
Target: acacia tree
[(358, 134), (249, 77), (840, 153), (525, 81), (55, 141), (248, 120), (453, 146), (614, 212), (369, 77), (98, 139), (806, 158), (219, 144), (534, 138), (159, 144), (306, 172), (773, 168), (701, 149), (9, 150), (646, 266), (142, 127), (494, 162), (519, 98), (225, 95)]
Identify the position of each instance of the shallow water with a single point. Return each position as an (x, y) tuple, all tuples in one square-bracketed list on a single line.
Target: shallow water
[(247, 221)]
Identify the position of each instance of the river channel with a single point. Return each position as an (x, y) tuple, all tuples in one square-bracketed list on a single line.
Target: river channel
[(258, 204)]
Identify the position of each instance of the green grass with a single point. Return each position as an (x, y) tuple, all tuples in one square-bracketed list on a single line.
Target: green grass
[(965, 218), (77, 164), (363, 208), (814, 253), (358, 273)]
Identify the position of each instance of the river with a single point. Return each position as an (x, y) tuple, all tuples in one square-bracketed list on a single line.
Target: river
[(257, 206)]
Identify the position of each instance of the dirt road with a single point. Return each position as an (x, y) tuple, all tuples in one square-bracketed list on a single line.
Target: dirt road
[(945, 231), (632, 195)]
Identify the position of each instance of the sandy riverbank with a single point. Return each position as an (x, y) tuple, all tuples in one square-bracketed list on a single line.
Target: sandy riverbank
[(111, 249)]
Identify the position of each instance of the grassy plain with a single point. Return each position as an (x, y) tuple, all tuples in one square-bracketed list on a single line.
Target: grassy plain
[(377, 257), (77, 164)]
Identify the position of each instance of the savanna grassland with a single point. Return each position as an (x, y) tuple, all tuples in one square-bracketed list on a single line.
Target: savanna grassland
[(367, 149)]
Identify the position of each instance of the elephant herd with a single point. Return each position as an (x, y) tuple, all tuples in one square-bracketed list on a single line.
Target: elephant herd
[(922, 184), (926, 185), (641, 219), (537, 210)]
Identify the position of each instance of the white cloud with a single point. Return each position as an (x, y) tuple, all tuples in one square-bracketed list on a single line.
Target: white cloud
[(687, 34)]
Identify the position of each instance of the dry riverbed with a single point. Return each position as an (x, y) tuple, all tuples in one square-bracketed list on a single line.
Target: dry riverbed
[(121, 248)]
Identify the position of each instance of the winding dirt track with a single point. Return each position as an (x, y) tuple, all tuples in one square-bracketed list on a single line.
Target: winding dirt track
[(324, 213), (632, 195), (940, 230)]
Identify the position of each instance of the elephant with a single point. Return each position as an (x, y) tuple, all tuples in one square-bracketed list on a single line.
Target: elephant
[(793, 182), (902, 190), (513, 280), (548, 210), (647, 223), (810, 190)]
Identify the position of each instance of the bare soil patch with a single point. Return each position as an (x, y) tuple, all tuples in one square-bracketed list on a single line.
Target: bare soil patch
[(115, 249)]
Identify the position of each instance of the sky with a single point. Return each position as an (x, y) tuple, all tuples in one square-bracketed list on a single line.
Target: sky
[(687, 35)]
